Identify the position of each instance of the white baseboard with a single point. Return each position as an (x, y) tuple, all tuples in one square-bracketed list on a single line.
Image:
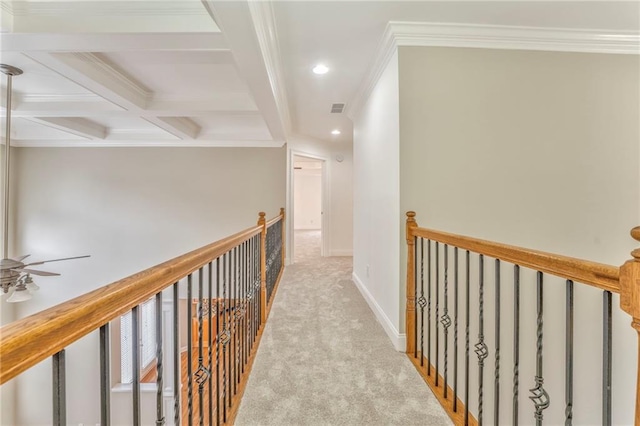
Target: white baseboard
[(398, 339)]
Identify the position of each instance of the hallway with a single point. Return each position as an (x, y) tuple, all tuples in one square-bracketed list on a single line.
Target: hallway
[(325, 360)]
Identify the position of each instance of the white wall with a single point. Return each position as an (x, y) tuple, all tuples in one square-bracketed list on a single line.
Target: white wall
[(307, 193), (377, 202), (130, 208), (538, 149), (338, 187)]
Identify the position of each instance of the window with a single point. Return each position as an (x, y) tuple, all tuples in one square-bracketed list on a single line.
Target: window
[(147, 342)]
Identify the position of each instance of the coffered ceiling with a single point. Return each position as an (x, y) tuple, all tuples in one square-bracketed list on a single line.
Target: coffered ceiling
[(224, 73)]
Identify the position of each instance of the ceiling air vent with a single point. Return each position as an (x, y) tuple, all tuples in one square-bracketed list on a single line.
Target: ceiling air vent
[(337, 108)]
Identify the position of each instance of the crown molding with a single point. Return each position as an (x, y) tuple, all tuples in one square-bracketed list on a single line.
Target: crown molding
[(264, 22), (51, 97), (425, 34), (144, 143), (102, 8)]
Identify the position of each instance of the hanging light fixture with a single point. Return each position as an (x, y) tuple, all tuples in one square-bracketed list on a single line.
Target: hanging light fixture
[(15, 278)]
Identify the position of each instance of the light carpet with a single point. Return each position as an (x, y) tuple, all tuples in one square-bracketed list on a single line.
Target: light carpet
[(325, 360)]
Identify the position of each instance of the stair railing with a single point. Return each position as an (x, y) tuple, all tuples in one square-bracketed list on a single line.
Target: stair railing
[(446, 271), (222, 334)]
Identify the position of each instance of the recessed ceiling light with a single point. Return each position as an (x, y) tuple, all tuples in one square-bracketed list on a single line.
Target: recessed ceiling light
[(335, 132), (320, 69)]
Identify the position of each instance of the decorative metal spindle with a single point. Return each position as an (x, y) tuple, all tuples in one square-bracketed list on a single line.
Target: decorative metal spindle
[(135, 363), (481, 348), (516, 342), (437, 290), (229, 315), (219, 314), (159, 362), (176, 357), (190, 348), (202, 374), (429, 308), (422, 302), (455, 331), (105, 377), (223, 337), (415, 292), (606, 358), (568, 363), (212, 308), (243, 276), (239, 316), (445, 319), (59, 389), (539, 395), (466, 340), (496, 383)]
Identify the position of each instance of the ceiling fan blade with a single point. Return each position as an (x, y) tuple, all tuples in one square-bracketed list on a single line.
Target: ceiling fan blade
[(21, 258), (34, 272), (56, 260)]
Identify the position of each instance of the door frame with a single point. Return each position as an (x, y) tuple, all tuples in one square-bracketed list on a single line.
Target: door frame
[(325, 202)]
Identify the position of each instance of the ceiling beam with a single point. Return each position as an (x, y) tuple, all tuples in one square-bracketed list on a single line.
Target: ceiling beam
[(118, 42), (181, 127), (237, 24), (74, 125), (94, 74)]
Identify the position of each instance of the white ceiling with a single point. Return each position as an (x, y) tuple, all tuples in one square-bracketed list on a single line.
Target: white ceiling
[(216, 73)]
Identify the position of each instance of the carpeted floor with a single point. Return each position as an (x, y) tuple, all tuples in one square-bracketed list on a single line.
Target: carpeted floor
[(325, 360)]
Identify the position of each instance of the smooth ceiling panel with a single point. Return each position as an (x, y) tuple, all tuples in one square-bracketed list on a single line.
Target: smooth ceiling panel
[(183, 75), (240, 127)]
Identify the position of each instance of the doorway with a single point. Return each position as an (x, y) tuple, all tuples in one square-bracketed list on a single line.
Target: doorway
[(308, 181)]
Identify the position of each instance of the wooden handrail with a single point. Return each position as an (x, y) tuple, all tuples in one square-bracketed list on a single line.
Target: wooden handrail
[(598, 275), (26, 342)]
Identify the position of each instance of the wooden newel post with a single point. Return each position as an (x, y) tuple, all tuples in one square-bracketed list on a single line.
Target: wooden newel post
[(630, 302), (262, 221), (284, 235), (410, 324)]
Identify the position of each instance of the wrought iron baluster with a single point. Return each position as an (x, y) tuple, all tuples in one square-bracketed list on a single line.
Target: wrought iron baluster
[(415, 292), (202, 373), (422, 302), (481, 347), (190, 349), (466, 338), (606, 358), (445, 319), (212, 308), (429, 308), (516, 342), (59, 389), (159, 362), (176, 357), (219, 314), (496, 383), (455, 330), (223, 338), (105, 377), (437, 314), (229, 315), (539, 395), (239, 315), (135, 364), (568, 365)]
